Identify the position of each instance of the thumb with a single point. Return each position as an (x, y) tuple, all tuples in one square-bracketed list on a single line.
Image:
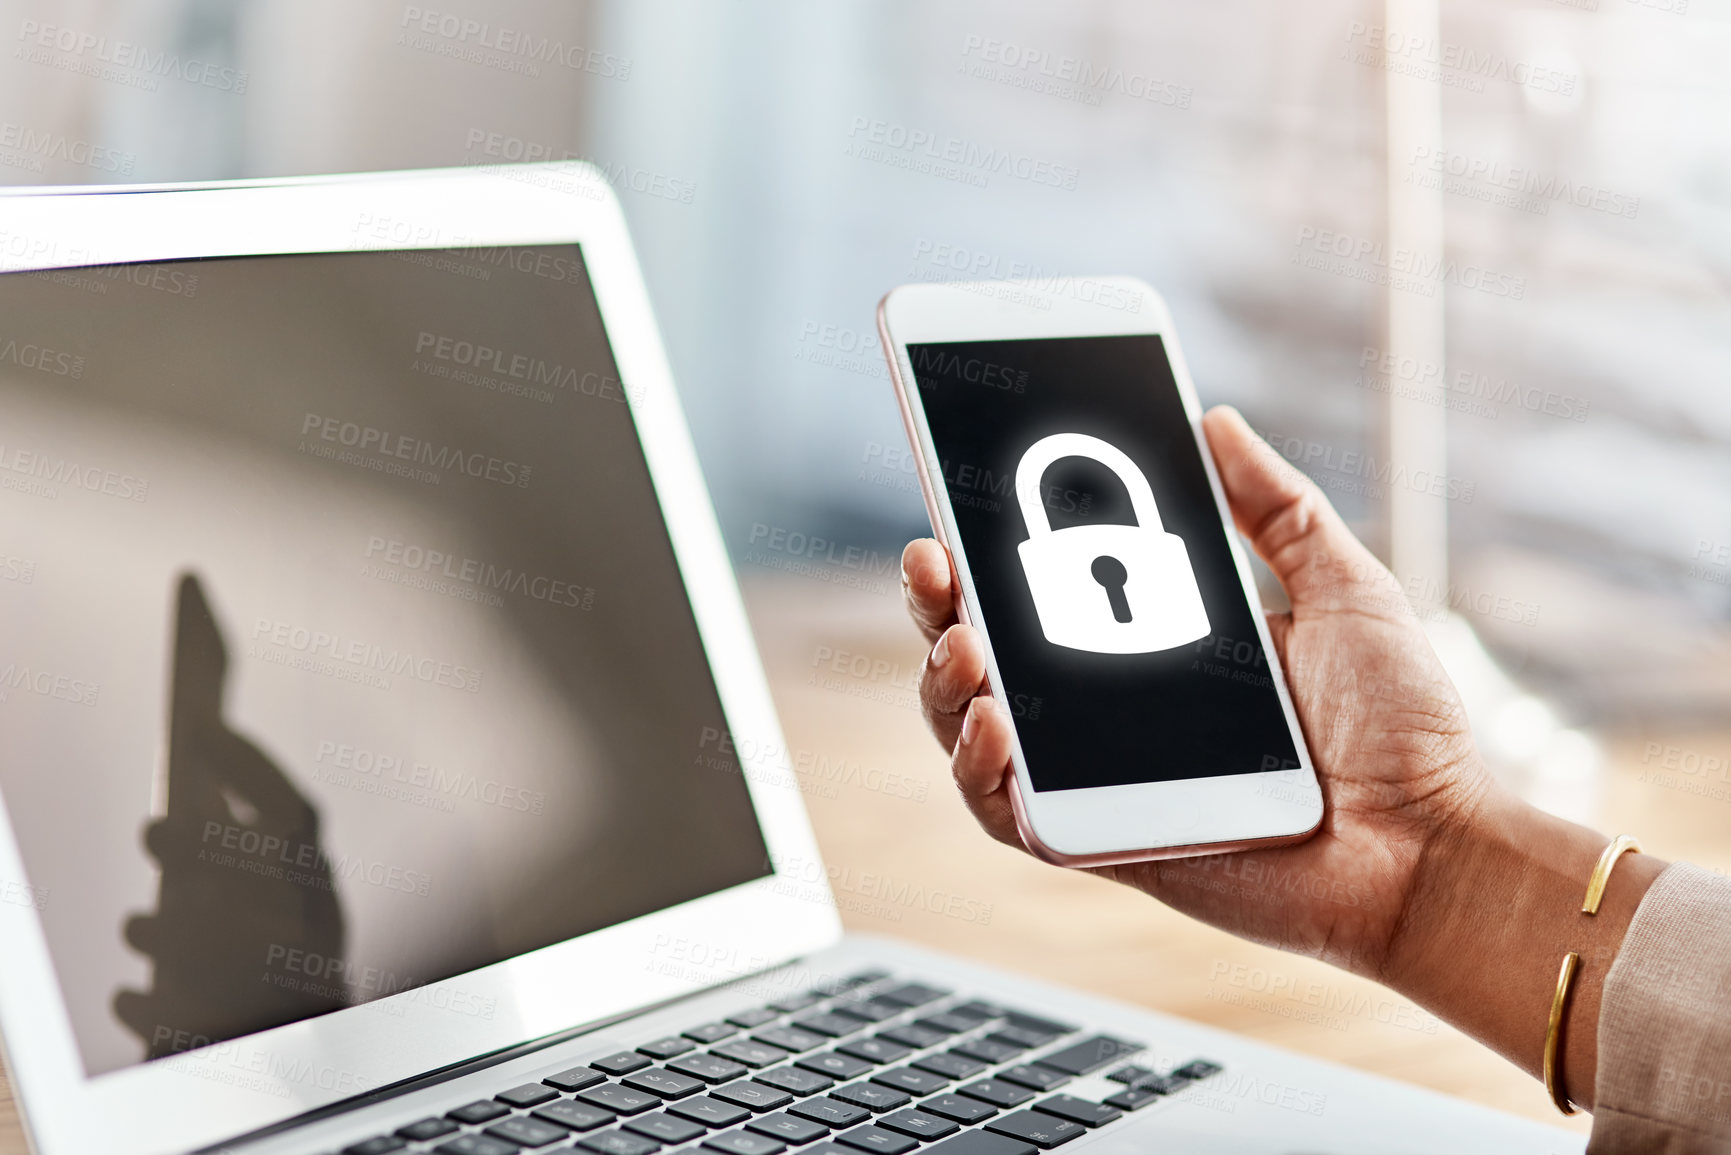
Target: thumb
[(1291, 525)]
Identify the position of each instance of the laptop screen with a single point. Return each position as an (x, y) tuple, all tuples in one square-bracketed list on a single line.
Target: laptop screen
[(342, 645)]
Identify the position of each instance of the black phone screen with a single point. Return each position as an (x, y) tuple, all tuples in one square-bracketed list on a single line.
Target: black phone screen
[(1128, 650)]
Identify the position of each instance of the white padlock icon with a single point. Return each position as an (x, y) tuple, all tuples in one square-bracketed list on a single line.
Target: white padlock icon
[(1109, 589)]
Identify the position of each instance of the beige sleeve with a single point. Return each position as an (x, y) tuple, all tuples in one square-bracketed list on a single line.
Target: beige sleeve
[(1664, 1078)]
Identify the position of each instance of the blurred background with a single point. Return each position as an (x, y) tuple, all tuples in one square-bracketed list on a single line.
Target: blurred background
[(783, 165)]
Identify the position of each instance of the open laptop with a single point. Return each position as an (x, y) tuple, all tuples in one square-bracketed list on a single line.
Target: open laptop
[(373, 688)]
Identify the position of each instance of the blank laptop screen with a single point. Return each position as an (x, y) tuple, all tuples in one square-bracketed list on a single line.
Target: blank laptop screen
[(342, 646)]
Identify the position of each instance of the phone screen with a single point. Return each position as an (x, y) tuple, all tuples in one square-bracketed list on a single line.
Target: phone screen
[(1127, 649)]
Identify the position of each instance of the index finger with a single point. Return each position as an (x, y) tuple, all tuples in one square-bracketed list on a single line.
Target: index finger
[(926, 585)]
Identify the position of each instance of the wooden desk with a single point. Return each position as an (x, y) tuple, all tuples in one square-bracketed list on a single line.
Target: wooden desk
[(906, 860)]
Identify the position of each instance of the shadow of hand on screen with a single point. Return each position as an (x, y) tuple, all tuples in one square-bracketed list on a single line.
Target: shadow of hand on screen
[(247, 932)]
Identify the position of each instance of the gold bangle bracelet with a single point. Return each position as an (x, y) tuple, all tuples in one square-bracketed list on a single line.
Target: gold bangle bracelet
[(1602, 872), (1571, 965), (1554, 1033)]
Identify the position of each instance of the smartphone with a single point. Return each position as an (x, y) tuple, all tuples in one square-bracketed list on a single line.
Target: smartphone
[(1060, 448)]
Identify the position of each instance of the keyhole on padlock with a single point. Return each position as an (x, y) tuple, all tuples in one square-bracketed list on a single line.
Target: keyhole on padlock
[(1110, 572)]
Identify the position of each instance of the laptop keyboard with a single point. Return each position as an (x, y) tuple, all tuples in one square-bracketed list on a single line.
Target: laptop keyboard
[(872, 1064)]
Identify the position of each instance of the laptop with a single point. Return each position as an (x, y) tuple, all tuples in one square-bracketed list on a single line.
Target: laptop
[(385, 761)]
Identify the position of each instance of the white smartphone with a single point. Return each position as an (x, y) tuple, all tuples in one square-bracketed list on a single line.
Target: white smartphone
[(1060, 448)]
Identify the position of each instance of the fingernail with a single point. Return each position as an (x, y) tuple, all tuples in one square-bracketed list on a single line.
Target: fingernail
[(971, 721), (941, 652)]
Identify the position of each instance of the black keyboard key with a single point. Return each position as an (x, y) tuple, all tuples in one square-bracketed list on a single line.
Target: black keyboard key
[(1161, 1084), (950, 1065), (834, 1026), (753, 1018), (1020, 1037), (575, 1115), (710, 1112), (745, 1143), (788, 1128), (575, 1079), (475, 1145), (829, 1112), (978, 1011), (620, 1100), (711, 1032), (861, 978), (834, 1065), (796, 1079), (481, 1111), (1035, 1023), (1131, 1099), (799, 1002), (666, 1048), (619, 1143), (377, 1145), (920, 1125), (1043, 1131), (1078, 1110), (875, 1050), (913, 1035), (960, 1108), (1129, 1073), (878, 1140), (912, 1081), (622, 1063), (983, 1143), (750, 1093), (790, 1038), (709, 1068), (528, 1095), (752, 1054), (1198, 1069), (427, 1129), (526, 1132), (947, 1024), (1028, 1075), (871, 1010), (986, 1051), (997, 1092), (872, 1096), (1088, 1055), (665, 1128), (667, 1084), (912, 994)]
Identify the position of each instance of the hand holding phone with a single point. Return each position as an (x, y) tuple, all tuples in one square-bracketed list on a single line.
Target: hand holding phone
[(1387, 733)]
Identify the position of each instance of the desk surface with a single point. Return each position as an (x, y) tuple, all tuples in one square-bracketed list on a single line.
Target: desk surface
[(906, 860)]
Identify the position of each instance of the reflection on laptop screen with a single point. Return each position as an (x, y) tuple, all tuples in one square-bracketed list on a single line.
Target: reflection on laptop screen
[(342, 647)]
